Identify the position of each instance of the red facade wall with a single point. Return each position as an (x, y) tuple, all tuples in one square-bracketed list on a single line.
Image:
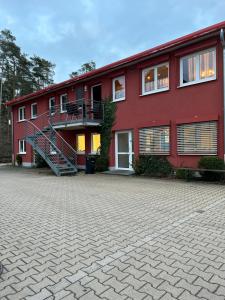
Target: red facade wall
[(194, 103)]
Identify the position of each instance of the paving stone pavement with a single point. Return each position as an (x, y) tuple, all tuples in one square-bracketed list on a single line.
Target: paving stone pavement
[(110, 237)]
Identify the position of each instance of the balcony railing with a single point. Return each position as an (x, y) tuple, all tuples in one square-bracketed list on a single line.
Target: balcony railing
[(77, 112)]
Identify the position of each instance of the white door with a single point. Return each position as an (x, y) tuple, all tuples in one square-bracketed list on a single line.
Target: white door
[(124, 150)]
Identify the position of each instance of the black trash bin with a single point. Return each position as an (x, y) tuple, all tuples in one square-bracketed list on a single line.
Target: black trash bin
[(90, 165)]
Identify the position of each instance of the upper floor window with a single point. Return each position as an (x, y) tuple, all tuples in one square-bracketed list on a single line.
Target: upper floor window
[(119, 88), (52, 105), (63, 102), (198, 67), (155, 79), (21, 113), (22, 147), (33, 110)]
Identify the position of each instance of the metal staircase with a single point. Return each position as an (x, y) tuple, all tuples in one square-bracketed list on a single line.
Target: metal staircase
[(50, 145)]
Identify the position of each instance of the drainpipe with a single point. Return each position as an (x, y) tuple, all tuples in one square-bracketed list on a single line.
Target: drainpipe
[(222, 39)]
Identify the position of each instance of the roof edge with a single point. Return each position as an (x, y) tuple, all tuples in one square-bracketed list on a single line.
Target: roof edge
[(120, 63)]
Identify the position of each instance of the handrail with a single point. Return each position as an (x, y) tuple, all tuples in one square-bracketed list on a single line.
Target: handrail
[(81, 109), (38, 129)]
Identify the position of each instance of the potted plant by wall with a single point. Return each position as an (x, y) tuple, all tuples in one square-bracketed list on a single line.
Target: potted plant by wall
[(19, 160)]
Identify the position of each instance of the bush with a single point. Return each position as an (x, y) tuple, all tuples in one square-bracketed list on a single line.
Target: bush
[(39, 161), (19, 160), (184, 174), (152, 165), (101, 164), (211, 163)]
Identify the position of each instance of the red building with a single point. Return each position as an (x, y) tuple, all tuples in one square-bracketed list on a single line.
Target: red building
[(170, 101)]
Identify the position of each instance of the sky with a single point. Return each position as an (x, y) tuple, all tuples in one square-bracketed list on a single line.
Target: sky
[(72, 32)]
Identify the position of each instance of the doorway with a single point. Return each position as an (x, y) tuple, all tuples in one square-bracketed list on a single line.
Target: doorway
[(124, 150)]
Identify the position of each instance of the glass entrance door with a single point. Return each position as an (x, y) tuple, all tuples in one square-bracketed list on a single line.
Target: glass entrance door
[(124, 150)]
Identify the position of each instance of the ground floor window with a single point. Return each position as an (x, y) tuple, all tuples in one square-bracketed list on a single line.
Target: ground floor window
[(197, 138), (95, 142), (80, 143), (52, 148), (154, 140), (22, 147)]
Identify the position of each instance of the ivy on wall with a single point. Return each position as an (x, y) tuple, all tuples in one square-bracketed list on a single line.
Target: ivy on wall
[(109, 115)]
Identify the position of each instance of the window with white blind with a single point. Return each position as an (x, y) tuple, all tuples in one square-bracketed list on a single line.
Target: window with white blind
[(197, 138), (154, 140)]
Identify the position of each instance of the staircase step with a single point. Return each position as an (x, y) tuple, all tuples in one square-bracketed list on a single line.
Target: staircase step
[(68, 173)]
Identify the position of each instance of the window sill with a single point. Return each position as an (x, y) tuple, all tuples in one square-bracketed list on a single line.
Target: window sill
[(19, 121), (195, 82), (22, 153), (63, 112), (154, 92), (161, 154), (33, 118), (80, 153), (196, 154), (118, 100)]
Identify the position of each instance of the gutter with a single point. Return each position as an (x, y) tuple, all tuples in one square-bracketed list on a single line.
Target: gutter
[(222, 39)]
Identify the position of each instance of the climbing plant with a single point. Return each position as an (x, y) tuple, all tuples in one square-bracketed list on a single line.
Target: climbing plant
[(109, 115)]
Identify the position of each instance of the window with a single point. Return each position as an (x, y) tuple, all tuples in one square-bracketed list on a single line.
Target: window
[(198, 67), (197, 138), (52, 148), (63, 102), (119, 88), (155, 79), (22, 147), (52, 105), (21, 113), (95, 142), (154, 140), (80, 143), (34, 111)]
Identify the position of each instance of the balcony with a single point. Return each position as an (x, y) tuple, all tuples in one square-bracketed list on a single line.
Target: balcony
[(76, 115)]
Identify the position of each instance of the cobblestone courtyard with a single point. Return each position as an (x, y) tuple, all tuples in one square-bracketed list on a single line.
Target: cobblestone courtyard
[(110, 237)]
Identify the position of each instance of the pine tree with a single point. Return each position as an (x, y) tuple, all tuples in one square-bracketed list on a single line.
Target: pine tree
[(22, 74), (86, 67)]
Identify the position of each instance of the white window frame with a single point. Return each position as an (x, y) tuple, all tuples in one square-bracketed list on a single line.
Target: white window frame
[(195, 152), (161, 151), (52, 150), (198, 79), (92, 151), (19, 109), (113, 88), (32, 115), (22, 151), (80, 152), (49, 105), (61, 105), (156, 90)]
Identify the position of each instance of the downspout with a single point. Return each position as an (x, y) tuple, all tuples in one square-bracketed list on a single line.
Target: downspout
[(12, 136), (222, 39)]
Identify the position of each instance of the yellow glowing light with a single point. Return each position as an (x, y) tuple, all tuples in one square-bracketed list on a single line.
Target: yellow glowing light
[(80, 143), (96, 142), (209, 72)]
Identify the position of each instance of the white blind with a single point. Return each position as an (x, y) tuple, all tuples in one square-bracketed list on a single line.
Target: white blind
[(197, 138), (154, 140)]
